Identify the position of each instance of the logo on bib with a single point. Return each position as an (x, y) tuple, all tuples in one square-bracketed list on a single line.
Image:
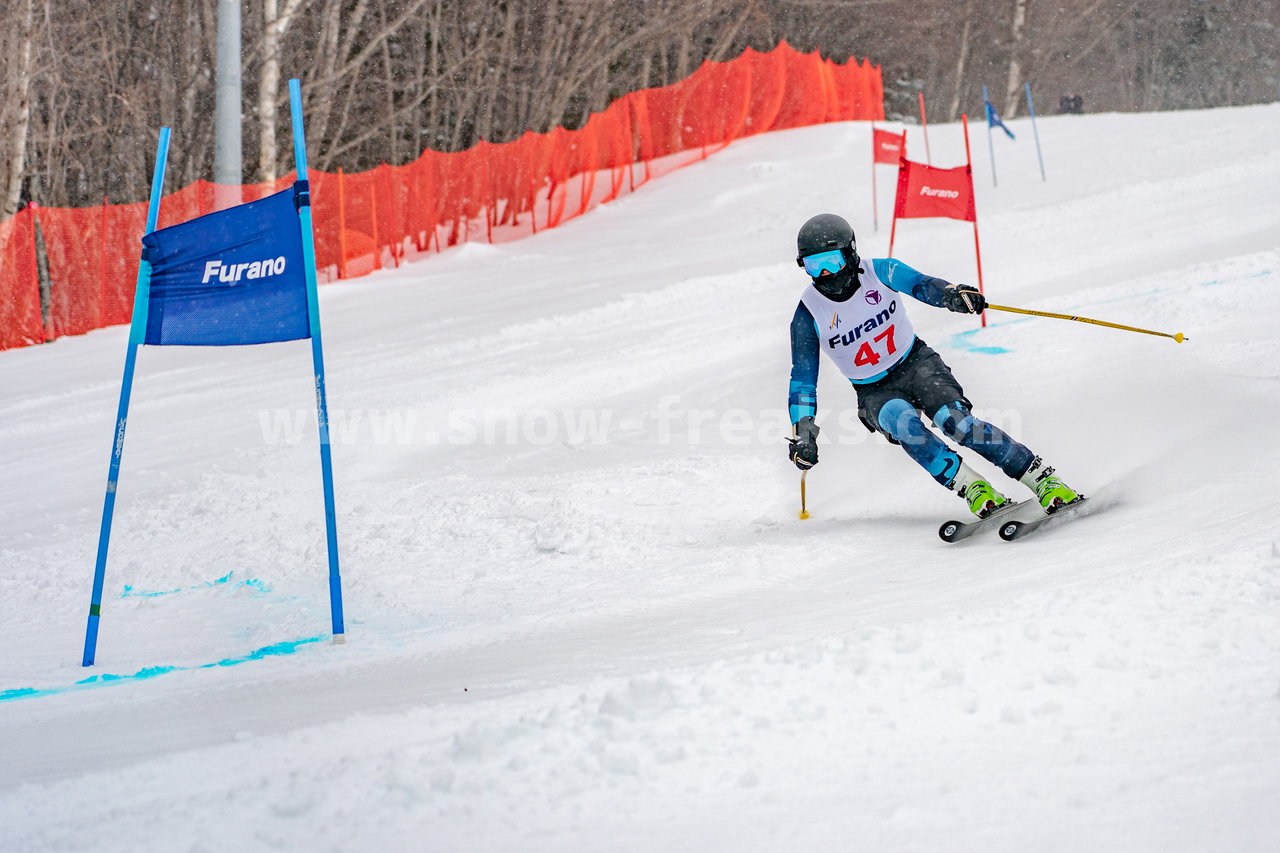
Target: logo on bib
[(835, 321), (872, 323), (872, 296)]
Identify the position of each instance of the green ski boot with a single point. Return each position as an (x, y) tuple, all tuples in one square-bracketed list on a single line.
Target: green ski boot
[(981, 496), (1052, 493)]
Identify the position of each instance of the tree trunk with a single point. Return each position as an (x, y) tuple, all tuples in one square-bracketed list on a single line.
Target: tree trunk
[(15, 110), (954, 112), (275, 25), (1014, 83), (720, 52)]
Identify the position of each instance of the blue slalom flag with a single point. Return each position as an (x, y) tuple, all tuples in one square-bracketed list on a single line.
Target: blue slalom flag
[(245, 275), (232, 277), (993, 118)]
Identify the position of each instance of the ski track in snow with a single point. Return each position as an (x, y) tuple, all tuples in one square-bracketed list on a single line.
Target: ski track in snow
[(624, 639)]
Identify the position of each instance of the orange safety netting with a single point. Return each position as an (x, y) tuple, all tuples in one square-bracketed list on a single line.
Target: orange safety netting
[(490, 192)]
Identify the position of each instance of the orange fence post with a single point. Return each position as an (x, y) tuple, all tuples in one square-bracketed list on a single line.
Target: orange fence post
[(415, 204), (342, 223), (373, 217), (102, 261), (394, 239), (491, 194)]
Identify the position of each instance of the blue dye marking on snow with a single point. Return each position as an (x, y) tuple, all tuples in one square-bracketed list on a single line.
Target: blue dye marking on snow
[(250, 583), (130, 592), (963, 340), (286, 647)]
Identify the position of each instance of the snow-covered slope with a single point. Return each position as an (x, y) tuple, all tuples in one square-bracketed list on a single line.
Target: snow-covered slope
[(582, 612)]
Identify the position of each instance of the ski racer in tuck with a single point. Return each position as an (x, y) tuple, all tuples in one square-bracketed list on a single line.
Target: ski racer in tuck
[(854, 311)]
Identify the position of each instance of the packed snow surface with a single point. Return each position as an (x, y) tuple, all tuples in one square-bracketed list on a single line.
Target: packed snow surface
[(582, 613)]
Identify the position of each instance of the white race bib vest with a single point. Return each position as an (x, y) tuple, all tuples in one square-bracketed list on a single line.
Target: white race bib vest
[(868, 333)]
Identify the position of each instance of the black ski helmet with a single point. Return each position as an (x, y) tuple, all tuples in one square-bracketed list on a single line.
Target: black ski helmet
[(824, 232)]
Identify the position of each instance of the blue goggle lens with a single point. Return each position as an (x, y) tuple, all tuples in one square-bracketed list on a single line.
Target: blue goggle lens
[(832, 261)]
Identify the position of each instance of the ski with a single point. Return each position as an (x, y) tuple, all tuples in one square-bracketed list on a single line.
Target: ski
[(1017, 528), (956, 531)]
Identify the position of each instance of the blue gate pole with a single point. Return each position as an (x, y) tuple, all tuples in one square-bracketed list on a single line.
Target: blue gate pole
[(303, 199), (1031, 108), (137, 334)]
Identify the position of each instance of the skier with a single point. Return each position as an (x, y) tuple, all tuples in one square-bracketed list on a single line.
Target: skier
[(852, 312)]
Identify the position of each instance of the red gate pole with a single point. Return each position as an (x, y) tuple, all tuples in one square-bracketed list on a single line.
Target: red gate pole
[(875, 212), (924, 123), (898, 194), (977, 247)]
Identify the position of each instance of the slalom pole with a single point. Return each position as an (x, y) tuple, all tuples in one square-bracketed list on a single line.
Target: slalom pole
[(875, 207), (804, 511), (1031, 108), (897, 195), (1179, 337), (137, 334), (924, 124), (317, 358), (977, 246)]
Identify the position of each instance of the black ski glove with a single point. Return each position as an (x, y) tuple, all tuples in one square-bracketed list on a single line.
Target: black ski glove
[(803, 448), (963, 299)]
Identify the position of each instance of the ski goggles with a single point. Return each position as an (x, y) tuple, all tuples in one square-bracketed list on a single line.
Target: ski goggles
[(832, 262)]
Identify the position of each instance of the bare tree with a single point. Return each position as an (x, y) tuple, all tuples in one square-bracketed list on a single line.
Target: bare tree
[(1013, 82), (962, 59), (15, 101), (275, 24)]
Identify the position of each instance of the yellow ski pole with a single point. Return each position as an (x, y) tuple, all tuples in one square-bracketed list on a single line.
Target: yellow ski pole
[(804, 513), (1179, 337)]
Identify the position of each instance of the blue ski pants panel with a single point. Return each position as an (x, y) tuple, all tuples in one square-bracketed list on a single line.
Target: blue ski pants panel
[(987, 440), (922, 383), (899, 420)]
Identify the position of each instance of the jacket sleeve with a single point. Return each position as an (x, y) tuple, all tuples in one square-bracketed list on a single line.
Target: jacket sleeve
[(802, 401), (902, 278)]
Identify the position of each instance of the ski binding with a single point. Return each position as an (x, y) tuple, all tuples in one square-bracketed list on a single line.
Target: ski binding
[(956, 531), (1017, 528)]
